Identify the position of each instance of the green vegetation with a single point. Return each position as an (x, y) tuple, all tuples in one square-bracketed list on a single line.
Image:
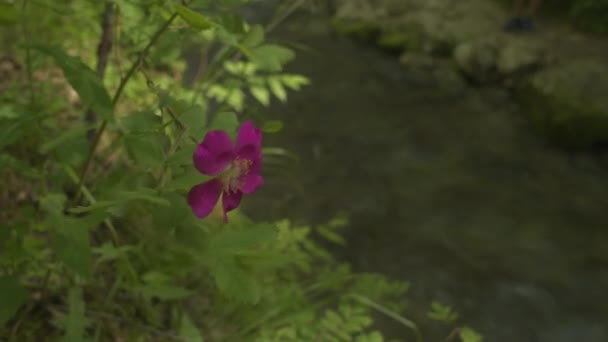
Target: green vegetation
[(97, 241)]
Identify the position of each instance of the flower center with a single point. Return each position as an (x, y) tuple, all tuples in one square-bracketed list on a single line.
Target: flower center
[(232, 176)]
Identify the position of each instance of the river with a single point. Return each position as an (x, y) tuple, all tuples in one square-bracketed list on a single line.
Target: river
[(446, 187)]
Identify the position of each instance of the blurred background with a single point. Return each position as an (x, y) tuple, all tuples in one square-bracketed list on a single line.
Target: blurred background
[(468, 158)]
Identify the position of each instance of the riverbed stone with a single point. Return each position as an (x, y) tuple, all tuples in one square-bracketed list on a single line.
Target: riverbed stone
[(568, 102)]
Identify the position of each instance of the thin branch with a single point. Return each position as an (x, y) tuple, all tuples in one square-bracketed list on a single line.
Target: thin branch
[(103, 52), (115, 99)]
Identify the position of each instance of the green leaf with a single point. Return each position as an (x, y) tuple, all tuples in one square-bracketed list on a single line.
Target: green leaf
[(185, 180), (72, 246), (261, 94), (8, 14), (143, 121), (12, 297), (194, 119), (230, 241), (254, 37), (67, 137), (233, 23), (234, 282), (277, 89), (442, 313), (146, 148), (143, 194), (294, 82), (272, 126), (188, 331), (467, 334), (194, 19), (331, 236), (271, 57), (83, 79), (76, 321), (109, 252), (225, 121)]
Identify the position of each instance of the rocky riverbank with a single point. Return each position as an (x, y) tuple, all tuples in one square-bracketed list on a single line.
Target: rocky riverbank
[(557, 75)]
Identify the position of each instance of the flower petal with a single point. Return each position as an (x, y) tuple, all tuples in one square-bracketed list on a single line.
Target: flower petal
[(251, 182), (202, 198), (214, 153), (231, 201), (249, 141)]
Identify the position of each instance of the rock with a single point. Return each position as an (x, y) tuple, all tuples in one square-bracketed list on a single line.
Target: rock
[(499, 57), (568, 102), (477, 60), (358, 18), (520, 55)]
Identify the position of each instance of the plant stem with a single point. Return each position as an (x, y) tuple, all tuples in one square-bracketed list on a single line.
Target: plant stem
[(103, 52), (115, 99)]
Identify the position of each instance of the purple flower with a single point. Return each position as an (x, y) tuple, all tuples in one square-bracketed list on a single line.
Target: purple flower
[(236, 169)]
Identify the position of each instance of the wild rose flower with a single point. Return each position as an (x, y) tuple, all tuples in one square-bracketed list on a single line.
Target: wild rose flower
[(236, 169)]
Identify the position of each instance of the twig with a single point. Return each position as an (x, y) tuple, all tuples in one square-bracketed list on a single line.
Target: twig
[(103, 52), (115, 99)]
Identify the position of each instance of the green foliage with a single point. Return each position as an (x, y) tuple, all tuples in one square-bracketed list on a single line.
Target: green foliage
[(102, 235)]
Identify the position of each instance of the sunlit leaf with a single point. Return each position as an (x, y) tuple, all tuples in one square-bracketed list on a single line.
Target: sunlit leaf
[(277, 89), (272, 126), (271, 57), (294, 82), (195, 19), (261, 94), (467, 334)]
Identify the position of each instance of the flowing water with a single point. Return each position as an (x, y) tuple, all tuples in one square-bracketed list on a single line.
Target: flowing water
[(446, 187)]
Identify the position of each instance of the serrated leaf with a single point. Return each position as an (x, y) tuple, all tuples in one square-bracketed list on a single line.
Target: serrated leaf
[(271, 57), (83, 79), (225, 121), (272, 126), (12, 296), (194, 19), (277, 89), (255, 36), (234, 282), (294, 82), (261, 94), (76, 321), (109, 252)]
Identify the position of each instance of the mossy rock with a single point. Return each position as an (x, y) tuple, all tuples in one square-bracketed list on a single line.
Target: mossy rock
[(359, 29), (399, 41), (568, 103)]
